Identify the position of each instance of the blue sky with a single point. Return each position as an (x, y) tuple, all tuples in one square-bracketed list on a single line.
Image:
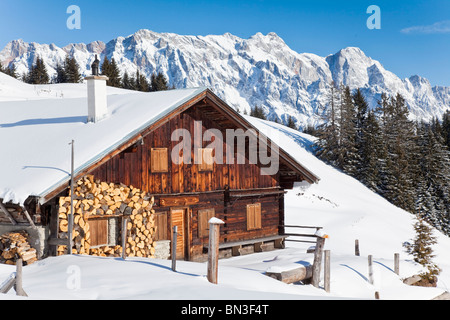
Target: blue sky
[(414, 37)]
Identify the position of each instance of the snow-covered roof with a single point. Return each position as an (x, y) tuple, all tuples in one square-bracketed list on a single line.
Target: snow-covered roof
[(35, 153)]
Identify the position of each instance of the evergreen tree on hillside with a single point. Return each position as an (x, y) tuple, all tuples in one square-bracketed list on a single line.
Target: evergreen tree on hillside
[(398, 135), (291, 123), (361, 110), (111, 70), (348, 158), (11, 71), (141, 83), (127, 82), (258, 112), (446, 128), (61, 76), (422, 251), (328, 138), (372, 154), (68, 72), (72, 70), (114, 74), (105, 66), (433, 191), (37, 73), (159, 82)]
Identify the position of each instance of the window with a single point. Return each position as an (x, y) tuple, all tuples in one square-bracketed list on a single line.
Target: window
[(254, 216), (159, 160), (204, 215), (161, 226), (99, 232), (206, 162)]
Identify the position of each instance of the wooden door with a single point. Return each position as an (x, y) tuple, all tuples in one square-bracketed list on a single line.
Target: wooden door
[(178, 218)]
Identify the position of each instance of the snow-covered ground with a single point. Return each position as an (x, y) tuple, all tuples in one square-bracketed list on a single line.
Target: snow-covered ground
[(340, 204), (346, 210)]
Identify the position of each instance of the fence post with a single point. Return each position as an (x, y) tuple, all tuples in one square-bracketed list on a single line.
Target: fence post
[(317, 261), (18, 283), (397, 263), (124, 237), (357, 247), (213, 249), (327, 268), (370, 258), (174, 248)]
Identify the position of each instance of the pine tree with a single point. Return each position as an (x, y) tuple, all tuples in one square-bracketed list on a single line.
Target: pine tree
[(72, 70), (446, 128), (291, 123), (37, 73), (111, 70), (400, 169), (127, 82), (372, 154), (141, 83), (258, 112), (11, 71), (433, 191), (61, 76), (159, 82), (348, 158), (422, 251), (105, 66), (114, 74), (328, 132)]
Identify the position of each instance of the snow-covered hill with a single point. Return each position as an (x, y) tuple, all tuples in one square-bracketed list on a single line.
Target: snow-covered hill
[(261, 70), (15, 90), (344, 207)]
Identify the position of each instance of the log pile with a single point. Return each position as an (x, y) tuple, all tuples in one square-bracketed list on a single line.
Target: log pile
[(15, 245), (101, 199)]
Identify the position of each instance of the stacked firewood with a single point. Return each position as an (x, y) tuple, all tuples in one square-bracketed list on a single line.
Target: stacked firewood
[(96, 199), (15, 245)]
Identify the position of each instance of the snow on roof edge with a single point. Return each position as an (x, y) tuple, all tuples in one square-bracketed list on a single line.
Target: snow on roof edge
[(124, 139)]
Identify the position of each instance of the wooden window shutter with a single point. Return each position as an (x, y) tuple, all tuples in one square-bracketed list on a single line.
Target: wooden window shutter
[(204, 215), (159, 160), (254, 216), (99, 232), (161, 226), (206, 159)]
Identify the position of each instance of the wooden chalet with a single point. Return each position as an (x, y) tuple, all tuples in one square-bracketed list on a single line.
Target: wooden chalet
[(185, 195)]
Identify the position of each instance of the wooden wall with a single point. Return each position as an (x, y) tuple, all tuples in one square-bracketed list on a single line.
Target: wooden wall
[(133, 167), (218, 189)]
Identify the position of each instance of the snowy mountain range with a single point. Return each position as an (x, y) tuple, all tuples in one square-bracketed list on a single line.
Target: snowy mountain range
[(261, 70)]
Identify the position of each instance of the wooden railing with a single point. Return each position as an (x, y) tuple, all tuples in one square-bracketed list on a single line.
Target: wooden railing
[(300, 235)]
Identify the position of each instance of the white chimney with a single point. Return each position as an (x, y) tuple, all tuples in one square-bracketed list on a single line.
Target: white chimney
[(97, 106), (96, 87)]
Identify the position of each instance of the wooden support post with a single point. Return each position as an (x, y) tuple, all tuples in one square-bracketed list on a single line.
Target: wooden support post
[(317, 261), (174, 248), (124, 237), (370, 258), (326, 271), (30, 221), (7, 214), (357, 247), (397, 263), (71, 215), (18, 284), (213, 249)]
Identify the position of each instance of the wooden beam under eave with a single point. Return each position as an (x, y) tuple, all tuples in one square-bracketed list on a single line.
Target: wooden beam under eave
[(7, 214)]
